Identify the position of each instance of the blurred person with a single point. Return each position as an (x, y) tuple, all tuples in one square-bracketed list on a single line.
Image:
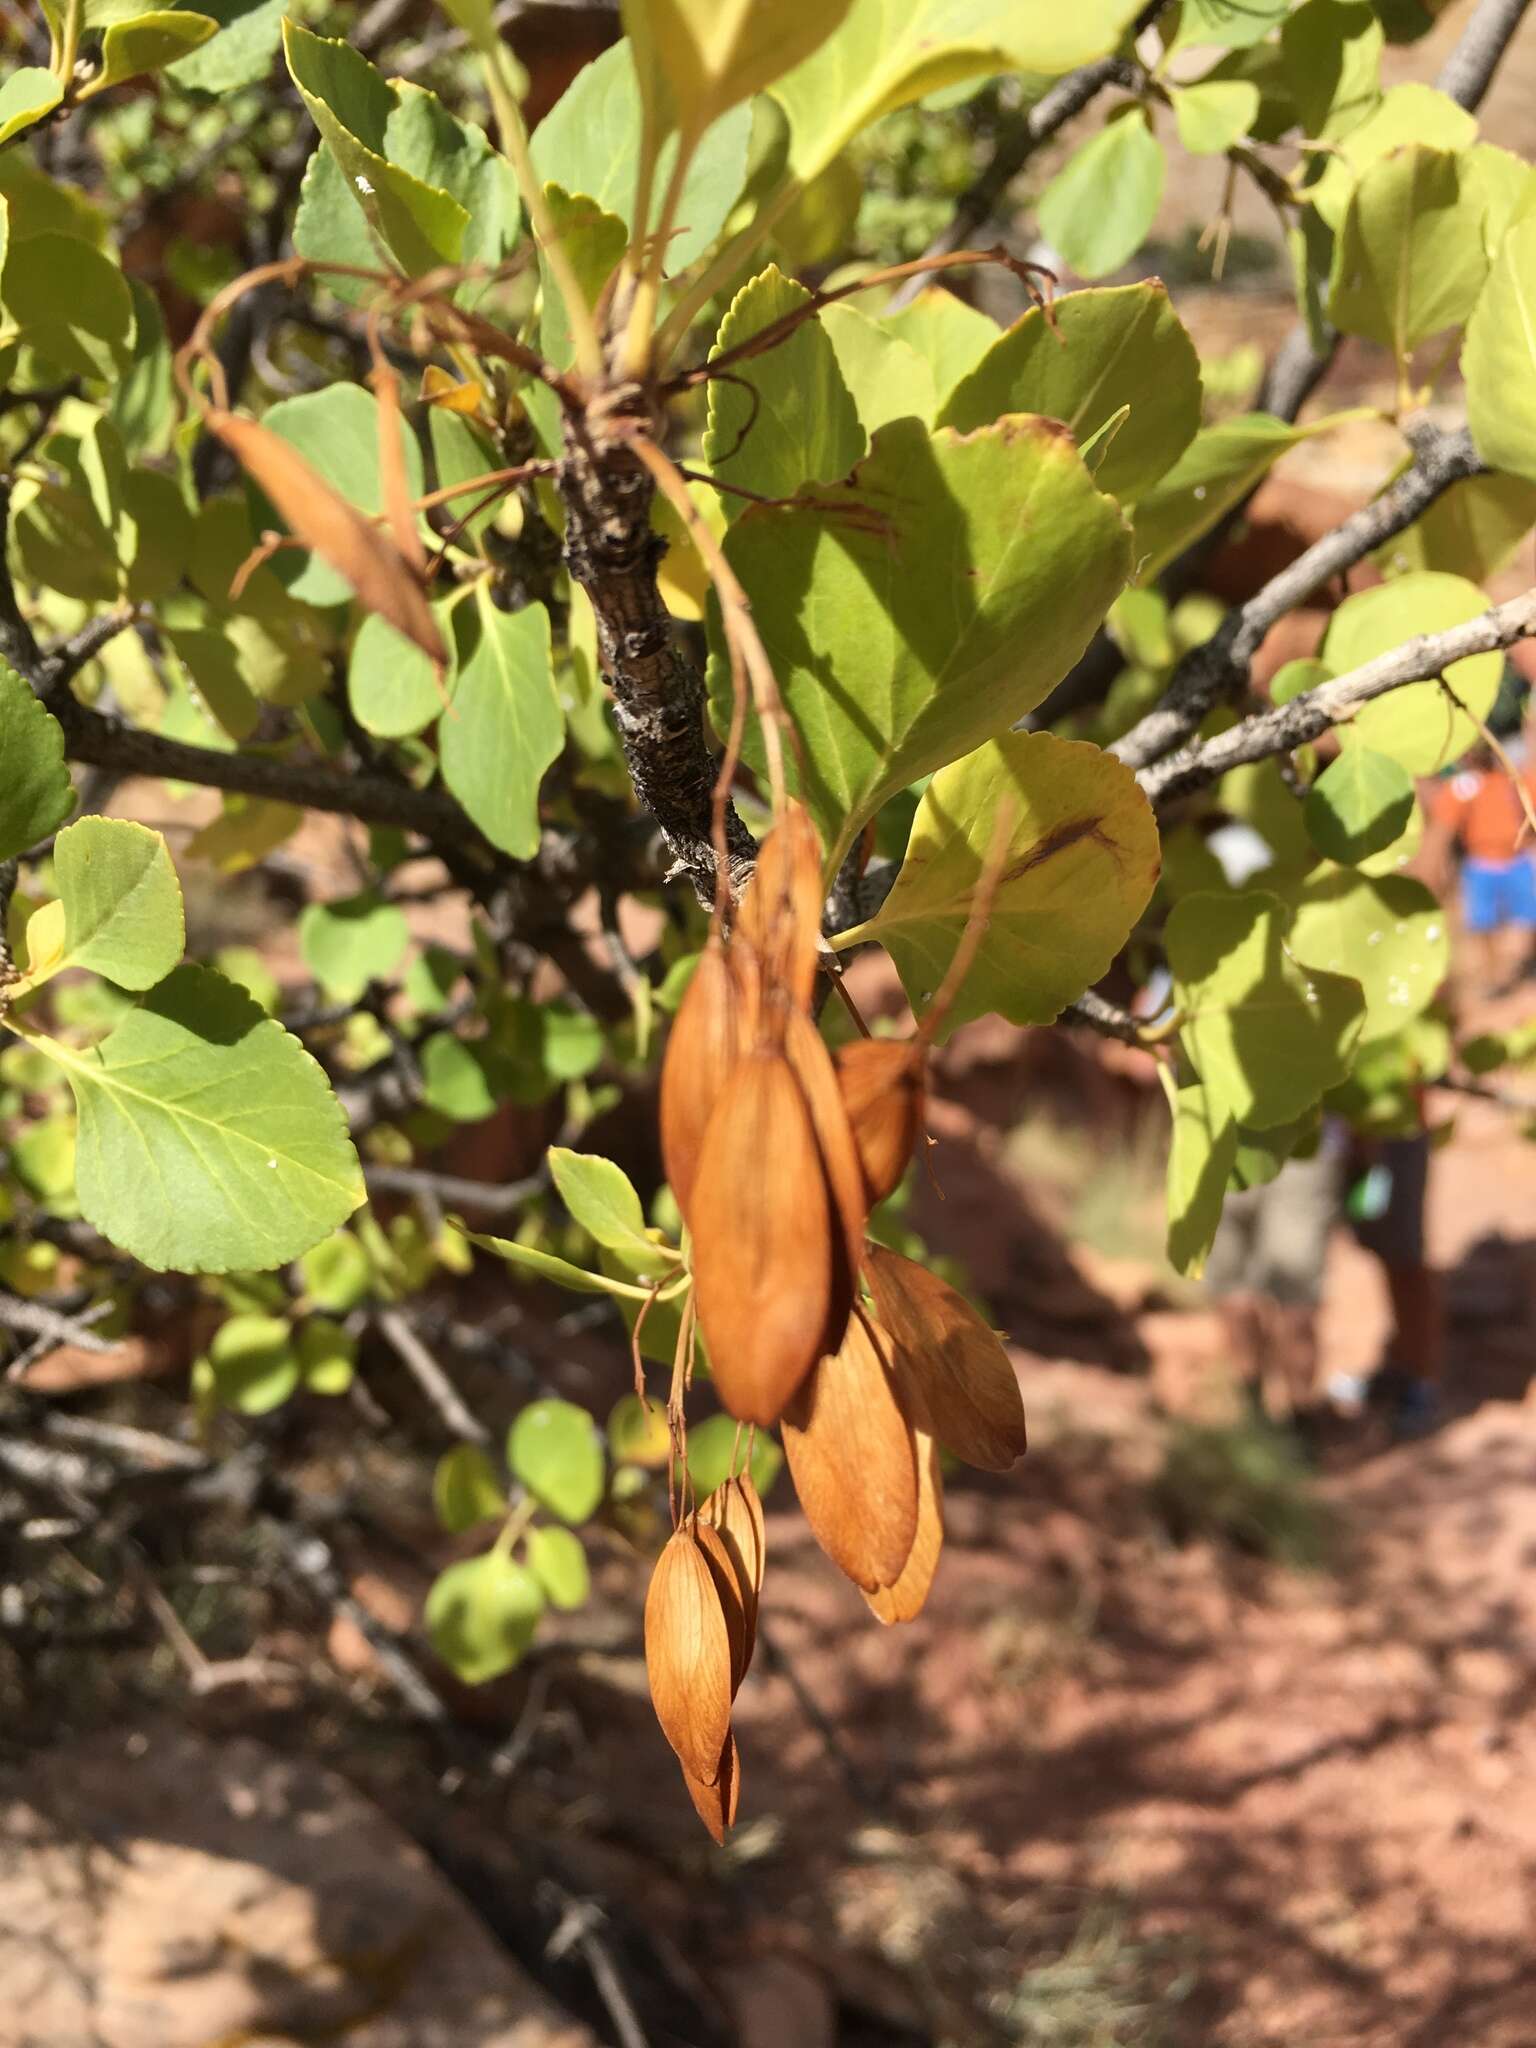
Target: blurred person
[(1478, 813), (1266, 1271), (1387, 1184)]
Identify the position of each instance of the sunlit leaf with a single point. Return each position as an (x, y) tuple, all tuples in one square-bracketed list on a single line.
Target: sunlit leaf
[(122, 901), (554, 1449), (36, 794), (925, 605), (482, 1614), (1079, 865)]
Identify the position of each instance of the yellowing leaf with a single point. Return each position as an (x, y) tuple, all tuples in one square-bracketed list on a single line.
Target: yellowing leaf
[(697, 58), (1079, 866)]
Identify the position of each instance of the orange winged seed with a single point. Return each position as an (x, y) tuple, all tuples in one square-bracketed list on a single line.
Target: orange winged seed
[(904, 1597), (762, 1239), (688, 1655), (715, 1801), (734, 1511), (702, 1050), (729, 1591), (955, 1377), (884, 1086), (324, 521), (780, 911), (812, 1063), (853, 1460)]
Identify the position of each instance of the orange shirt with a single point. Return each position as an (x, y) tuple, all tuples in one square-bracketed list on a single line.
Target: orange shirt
[(1483, 812)]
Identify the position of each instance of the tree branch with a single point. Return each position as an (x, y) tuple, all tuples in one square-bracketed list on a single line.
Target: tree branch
[(658, 694), (1219, 668), (106, 742), (1468, 72), (1291, 725)]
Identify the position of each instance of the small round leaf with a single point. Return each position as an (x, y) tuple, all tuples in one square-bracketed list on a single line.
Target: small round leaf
[(481, 1615), (554, 1450), (558, 1562), (1360, 803), (465, 1489)]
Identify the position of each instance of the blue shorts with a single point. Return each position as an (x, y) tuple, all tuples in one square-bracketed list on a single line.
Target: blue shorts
[(1495, 893)]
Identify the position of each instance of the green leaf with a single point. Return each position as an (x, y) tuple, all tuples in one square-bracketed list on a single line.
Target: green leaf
[(1332, 52), (461, 451), (1407, 114), (255, 1367), (1215, 114), (1360, 803), (1261, 1154), (594, 244), (466, 1489), (151, 41), (1216, 471), (459, 1080), (1101, 350), (1386, 932), (785, 418), (209, 1138), (327, 1354), (1099, 208), (337, 1273), (1499, 358), (950, 336), (638, 1432), (26, 96), (713, 1446), (1471, 530), (482, 1614), (391, 685), (87, 330), (925, 606), (122, 901), (240, 54), (1409, 259), (1265, 1037), (329, 226), (141, 407), (1080, 863), (36, 794), (1500, 184), (553, 1447), (422, 225), (601, 1199), (1417, 726), (558, 1562), (504, 726), (1233, 24), (548, 1267), (446, 154), (888, 53), (696, 59), (590, 142), (336, 430), (350, 943), (1199, 1167), (885, 376)]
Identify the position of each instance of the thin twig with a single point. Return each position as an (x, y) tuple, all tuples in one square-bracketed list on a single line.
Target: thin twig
[(1500, 753), (430, 1377), (1422, 659), (1219, 668)]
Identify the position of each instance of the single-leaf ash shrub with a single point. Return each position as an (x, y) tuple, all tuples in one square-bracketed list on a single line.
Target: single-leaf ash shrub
[(508, 496)]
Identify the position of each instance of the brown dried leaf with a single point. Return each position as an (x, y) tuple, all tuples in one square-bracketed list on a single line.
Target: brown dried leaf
[(688, 1655), (762, 1240), (715, 1800), (904, 1598), (884, 1082), (853, 1460), (734, 1511), (954, 1374), (393, 484), (779, 916), (323, 520), (728, 1586)]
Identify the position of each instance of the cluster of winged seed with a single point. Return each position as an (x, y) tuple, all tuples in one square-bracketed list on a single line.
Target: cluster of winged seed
[(776, 1152)]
